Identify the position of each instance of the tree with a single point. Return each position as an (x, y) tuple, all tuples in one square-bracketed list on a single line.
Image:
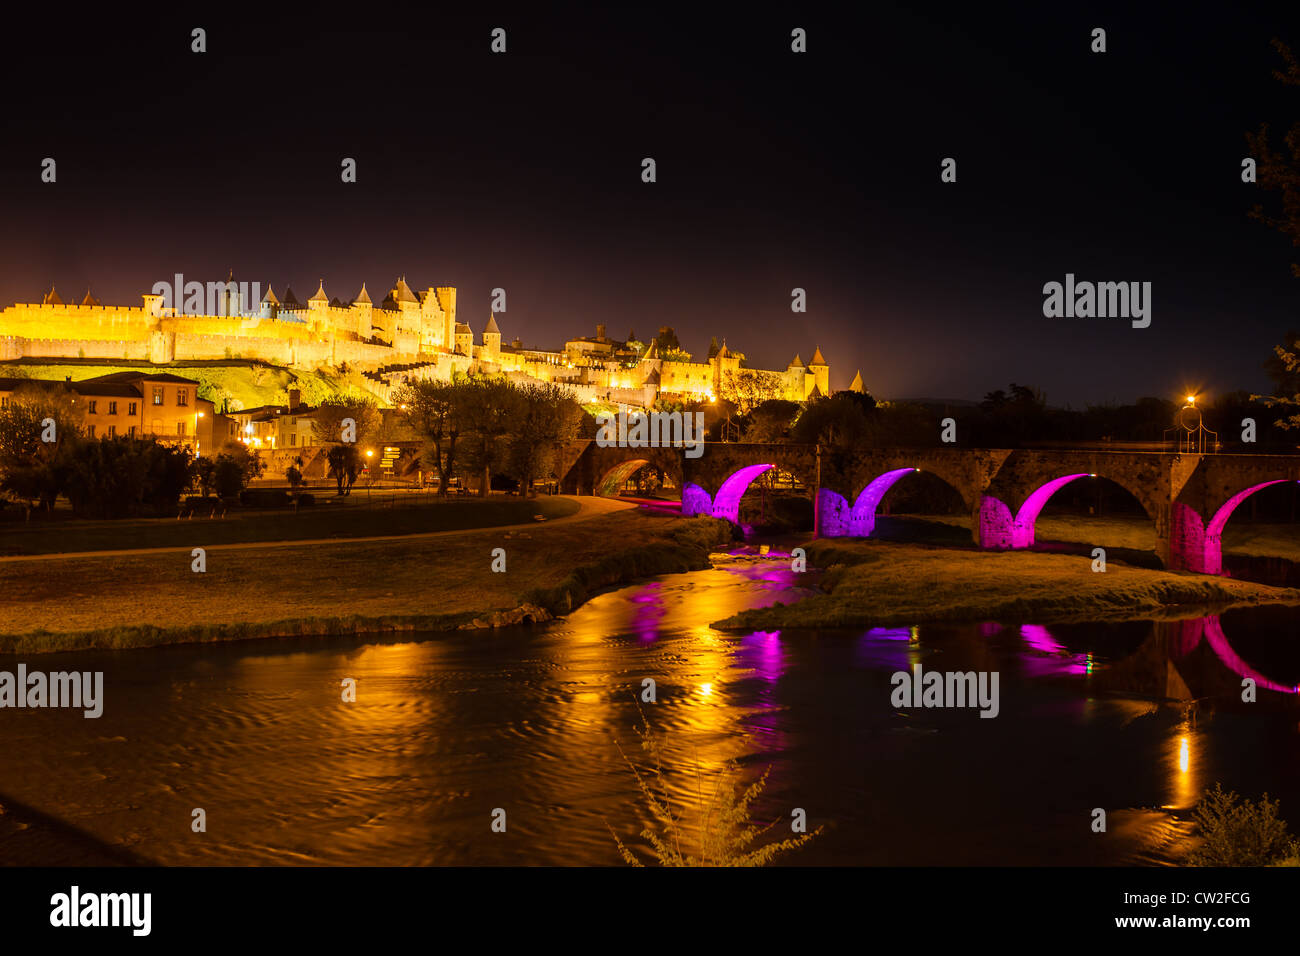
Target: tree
[(293, 474), (37, 427), (487, 409), (344, 464), (1276, 172), (546, 417), (1279, 173), (770, 421), (204, 472), (121, 477), (432, 409), (748, 388), (328, 422)]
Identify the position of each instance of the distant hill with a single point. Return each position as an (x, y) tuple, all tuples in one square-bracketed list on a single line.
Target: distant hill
[(242, 384), (959, 402)]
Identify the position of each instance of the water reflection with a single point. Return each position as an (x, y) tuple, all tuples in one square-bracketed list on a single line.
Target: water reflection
[(541, 722)]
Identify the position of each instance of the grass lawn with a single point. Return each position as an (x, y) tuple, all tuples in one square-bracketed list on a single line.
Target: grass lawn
[(880, 583), (351, 517), (433, 583)]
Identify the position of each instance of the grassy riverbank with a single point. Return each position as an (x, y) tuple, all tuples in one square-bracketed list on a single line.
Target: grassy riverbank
[(344, 587), (878, 583), (355, 516)]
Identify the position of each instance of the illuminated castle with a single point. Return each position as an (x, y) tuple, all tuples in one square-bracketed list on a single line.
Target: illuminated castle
[(407, 336)]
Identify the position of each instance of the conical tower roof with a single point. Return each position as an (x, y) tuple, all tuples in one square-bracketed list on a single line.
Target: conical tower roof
[(402, 292), (320, 295), (492, 325), (270, 297), (291, 300), (817, 358), (363, 297), (856, 385), (89, 299), (797, 363), (52, 298)]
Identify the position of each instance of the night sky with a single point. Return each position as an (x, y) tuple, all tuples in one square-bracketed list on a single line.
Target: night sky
[(775, 170)]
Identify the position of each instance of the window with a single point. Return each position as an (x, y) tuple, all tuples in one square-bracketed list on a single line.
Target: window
[(182, 396), (112, 431), (90, 431), (180, 429), (112, 408), (92, 408), (131, 431), (293, 438), (130, 408), (157, 395)]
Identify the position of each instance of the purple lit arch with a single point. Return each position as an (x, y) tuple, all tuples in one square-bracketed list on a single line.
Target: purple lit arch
[(862, 519), (1196, 546), (1022, 531), (726, 503)]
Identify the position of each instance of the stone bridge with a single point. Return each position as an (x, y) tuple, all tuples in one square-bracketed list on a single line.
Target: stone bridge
[(1188, 497)]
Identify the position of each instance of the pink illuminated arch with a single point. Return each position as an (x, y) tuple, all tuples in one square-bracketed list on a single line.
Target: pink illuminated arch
[(1205, 553), (1223, 514), (862, 519), (1022, 532), (726, 503)]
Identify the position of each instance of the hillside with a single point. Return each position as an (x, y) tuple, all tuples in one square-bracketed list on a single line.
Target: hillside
[(243, 384)]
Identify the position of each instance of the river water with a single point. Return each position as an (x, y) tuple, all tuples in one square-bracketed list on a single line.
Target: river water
[(541, 723)]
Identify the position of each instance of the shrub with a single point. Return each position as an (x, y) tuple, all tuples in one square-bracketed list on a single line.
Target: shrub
[(1245, 834)]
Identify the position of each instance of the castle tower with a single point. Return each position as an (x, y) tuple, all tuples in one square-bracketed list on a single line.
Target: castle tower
[(821, 373), (491, 340), (856, 385), (364, 310), (725, 364), (318, 307), (408, 304), (51, 298), (270, 306), (447, 299), (230, 303)]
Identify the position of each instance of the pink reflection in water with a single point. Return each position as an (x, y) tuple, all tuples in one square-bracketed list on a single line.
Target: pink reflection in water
[(649, 612), (762, 653), (1040, 639)]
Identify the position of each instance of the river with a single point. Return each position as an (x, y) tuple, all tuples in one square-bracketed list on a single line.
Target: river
[(540, 722)]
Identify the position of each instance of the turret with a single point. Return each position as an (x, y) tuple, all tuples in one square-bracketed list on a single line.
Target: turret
[(491, 339), (821, 372), (365, 311)]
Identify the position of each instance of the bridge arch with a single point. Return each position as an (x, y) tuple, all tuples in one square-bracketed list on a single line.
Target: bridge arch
[(726, 503), (1196, 545), (612, 481), (1000, 526)]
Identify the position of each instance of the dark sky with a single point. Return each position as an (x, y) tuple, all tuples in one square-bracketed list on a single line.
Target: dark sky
[(775, 170)]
